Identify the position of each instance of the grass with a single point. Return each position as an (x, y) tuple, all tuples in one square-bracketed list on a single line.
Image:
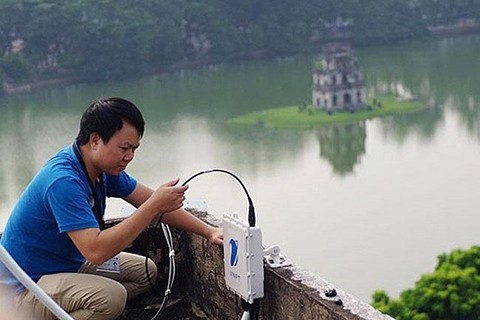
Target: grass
[(292, 117)]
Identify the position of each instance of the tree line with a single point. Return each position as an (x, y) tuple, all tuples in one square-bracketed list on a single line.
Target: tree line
[(115, 39)]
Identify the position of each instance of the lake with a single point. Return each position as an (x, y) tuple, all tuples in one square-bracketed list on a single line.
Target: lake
[(367, 205)]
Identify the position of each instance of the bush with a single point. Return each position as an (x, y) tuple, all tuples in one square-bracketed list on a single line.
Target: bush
[(451, 292), (16, 68)]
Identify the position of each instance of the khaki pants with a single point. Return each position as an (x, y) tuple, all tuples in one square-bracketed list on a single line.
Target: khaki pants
[(91, 294)]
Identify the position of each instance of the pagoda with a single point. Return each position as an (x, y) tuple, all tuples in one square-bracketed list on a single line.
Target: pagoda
[(337, 80)]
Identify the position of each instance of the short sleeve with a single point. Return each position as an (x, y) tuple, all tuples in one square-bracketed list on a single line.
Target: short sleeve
[(69, 202), (120, 186)]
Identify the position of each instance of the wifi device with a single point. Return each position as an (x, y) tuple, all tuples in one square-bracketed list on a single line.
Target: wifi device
[(243, 258)]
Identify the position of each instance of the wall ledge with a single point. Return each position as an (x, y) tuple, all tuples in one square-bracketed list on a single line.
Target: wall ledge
[(290, 292)]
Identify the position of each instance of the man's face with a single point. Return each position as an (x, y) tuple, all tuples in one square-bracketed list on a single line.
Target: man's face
[(114, 156)]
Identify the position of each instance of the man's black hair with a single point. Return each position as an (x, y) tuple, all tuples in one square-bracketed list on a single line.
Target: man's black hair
[(106, 116)]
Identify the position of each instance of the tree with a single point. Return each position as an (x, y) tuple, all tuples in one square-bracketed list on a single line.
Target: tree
[(16, 68), (451, 292)]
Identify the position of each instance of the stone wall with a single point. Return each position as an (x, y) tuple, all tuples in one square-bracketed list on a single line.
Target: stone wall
[(290, 292)]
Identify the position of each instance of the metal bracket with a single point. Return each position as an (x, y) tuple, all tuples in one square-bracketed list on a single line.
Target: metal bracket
[(274, 258)]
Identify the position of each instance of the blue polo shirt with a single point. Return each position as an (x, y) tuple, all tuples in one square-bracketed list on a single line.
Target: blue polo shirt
[(56, 201)]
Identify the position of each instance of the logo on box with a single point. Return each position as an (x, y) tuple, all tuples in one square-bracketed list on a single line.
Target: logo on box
[(233, 252)]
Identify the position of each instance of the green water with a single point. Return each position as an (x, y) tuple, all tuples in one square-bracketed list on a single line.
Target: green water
[(365, 205)]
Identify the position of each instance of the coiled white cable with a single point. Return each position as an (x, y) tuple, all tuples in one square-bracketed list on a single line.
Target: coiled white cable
[(171, 269)]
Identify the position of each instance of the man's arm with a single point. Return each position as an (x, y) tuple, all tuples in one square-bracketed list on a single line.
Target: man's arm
[(179, 218), (98, 246)]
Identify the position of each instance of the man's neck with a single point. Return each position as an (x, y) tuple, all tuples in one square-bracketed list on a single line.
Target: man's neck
[(92, 171)]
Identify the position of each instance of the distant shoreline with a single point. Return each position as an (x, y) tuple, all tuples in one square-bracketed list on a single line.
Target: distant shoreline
[(459, 29), (8, 88), (296, 117)]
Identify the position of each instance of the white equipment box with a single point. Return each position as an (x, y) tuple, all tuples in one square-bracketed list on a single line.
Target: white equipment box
[(243, 258)]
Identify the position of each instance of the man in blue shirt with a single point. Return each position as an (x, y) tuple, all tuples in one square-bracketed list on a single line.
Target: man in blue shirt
[(56, 231)]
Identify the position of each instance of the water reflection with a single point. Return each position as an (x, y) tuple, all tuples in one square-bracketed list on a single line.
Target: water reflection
[(261, 149), (442, 75), (469, 113), (423, 124), (342, 145)]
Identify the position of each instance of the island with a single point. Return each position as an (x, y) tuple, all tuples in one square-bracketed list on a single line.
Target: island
[(338, 96), (306, 116)]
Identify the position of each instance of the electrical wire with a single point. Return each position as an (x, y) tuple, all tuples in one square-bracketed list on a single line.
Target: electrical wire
[(171, 267), (171, 270), (251, 209), (252, 309)]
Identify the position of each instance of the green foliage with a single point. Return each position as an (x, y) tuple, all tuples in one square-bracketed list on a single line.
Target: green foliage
[(385, 21), (115, 39), (16, 67), (441, 12), (293, 117), (451, 292)]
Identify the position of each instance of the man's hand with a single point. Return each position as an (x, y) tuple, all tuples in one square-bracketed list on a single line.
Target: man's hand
[(168, 197), (215, 236)]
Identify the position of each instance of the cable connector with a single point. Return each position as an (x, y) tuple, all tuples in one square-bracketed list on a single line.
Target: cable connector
[(171, 254), (274, 258)]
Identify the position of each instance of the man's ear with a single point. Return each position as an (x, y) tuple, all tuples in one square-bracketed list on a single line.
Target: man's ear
[(94, 140)]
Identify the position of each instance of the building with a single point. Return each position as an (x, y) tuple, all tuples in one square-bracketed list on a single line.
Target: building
[(338, 83)]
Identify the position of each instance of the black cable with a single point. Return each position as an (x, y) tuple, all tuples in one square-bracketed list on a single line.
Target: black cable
[(252, 308), (167, 292), (251, 209), (146, 257), (255, 309)]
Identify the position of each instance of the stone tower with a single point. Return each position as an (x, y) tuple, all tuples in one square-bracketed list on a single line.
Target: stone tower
[(337, 80)]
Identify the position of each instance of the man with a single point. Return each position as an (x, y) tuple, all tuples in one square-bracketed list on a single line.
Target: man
[(55, 232)]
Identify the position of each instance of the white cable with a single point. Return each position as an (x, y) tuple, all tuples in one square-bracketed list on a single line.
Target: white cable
[(246, 315), (171, 268), (32, 286), (169, 239)]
